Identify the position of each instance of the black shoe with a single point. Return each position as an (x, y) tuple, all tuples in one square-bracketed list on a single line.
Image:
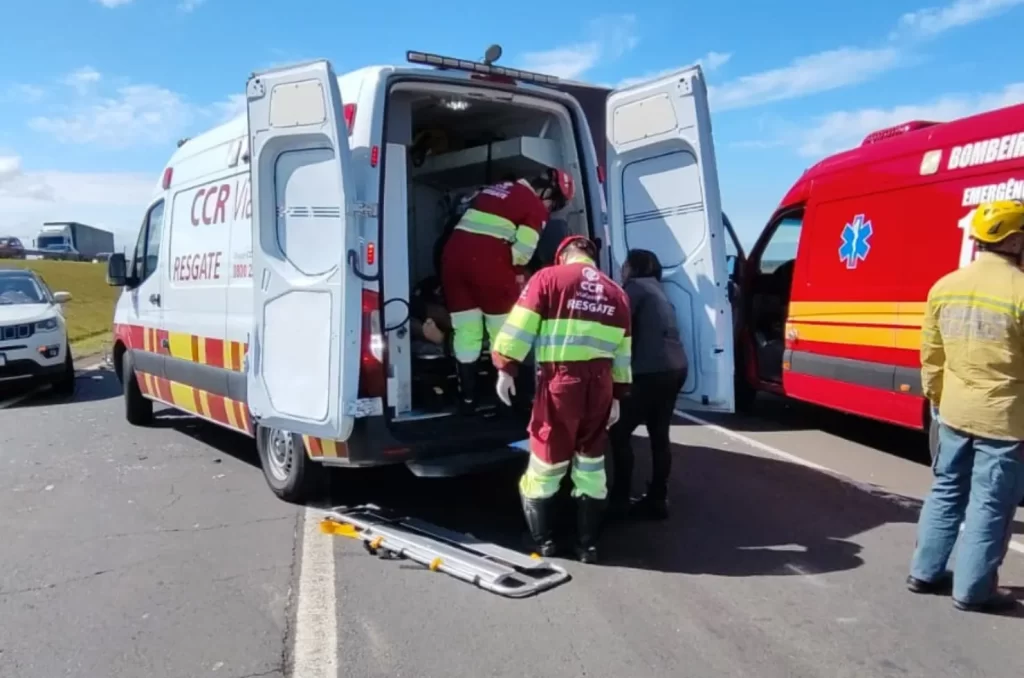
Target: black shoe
[(1000, 602), (651, 506), (540, 514), (940, 587), (589, 517)]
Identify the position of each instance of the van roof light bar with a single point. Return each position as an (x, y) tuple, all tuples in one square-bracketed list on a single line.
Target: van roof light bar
[(896, 130), (453, 64)]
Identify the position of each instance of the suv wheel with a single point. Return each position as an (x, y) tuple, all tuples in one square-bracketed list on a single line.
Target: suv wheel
[(65, 385)]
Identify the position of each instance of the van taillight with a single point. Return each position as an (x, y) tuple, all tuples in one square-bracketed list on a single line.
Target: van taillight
[(372, 382), (350, 116)]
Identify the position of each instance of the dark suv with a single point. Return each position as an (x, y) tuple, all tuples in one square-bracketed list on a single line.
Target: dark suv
[(11, 248)]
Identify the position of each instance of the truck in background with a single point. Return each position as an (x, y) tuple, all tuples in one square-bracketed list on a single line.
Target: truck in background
[(73, 241)]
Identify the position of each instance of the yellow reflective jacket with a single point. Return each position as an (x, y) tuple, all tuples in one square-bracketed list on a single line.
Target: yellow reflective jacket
[(972, 348)]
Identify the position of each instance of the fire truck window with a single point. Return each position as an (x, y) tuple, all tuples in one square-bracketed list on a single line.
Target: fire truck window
[(782, 244)]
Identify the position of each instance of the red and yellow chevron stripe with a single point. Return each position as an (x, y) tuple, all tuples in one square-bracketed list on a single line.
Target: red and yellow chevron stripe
[(231, 413), (321, 448), (223, 353)]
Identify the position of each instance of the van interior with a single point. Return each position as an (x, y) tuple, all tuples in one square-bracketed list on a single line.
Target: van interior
[(443, 143)]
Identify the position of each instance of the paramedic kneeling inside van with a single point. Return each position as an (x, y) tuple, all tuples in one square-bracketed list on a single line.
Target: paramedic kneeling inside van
[(972, 372), (492, 242)]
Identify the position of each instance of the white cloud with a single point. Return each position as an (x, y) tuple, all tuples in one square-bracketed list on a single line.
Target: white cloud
[(114, 3), (111, 200), (805, 75), (82, 79), (128, 116), (932, 21), (711, 61), (845, 129), (23, 94), (611, 37), (189, 5)]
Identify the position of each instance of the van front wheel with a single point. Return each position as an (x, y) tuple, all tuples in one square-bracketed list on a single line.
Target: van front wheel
[(289, 471)]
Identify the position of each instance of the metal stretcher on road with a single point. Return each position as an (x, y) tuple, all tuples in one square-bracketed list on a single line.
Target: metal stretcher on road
[(491, 567)]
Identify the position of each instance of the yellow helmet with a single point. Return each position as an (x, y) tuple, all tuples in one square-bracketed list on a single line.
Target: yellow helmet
[(995, 221)]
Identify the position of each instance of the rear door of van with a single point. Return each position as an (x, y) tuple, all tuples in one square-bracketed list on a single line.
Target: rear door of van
[(663, 196), (304, 349)]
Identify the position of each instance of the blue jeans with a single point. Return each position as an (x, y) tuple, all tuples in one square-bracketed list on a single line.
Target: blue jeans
[(978, 482)]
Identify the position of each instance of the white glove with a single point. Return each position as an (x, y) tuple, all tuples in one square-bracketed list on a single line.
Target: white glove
[(613, 416), (506, 387)]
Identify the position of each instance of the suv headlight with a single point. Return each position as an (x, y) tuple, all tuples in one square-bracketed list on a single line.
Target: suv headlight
[(48, 325)]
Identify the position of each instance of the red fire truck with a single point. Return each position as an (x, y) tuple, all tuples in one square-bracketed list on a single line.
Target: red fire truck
[(832, 295)]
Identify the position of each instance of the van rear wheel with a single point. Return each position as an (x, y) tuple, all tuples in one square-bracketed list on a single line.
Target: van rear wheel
[(289, 471)]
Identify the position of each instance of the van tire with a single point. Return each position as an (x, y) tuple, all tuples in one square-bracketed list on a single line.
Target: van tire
[(138, 409), (288, 470)]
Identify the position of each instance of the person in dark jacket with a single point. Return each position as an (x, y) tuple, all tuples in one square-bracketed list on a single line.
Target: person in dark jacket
[(659, 371)]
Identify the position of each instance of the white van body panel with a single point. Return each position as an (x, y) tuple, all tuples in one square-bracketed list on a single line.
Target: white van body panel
[(304, 348), (211, 185), (663, 196)]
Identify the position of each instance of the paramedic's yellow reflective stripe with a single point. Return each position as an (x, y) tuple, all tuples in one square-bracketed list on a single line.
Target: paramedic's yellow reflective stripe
[(574, 340), (517, 335), (468, 334), (622, 362), (484, 223), (524, 245), (541, 479), (589, 478)]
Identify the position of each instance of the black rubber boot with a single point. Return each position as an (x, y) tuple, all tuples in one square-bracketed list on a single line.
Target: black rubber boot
[(540, 514), (589, 517), (467, 388), (650, 506)]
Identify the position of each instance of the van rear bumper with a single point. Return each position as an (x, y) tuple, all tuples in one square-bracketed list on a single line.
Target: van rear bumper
[(444, 448)]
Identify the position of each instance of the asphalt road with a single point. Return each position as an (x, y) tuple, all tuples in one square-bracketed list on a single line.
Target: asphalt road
[(161, 553)]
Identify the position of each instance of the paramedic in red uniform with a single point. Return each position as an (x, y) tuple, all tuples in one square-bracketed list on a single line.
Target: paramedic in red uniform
[(489, 247), (578, 320)]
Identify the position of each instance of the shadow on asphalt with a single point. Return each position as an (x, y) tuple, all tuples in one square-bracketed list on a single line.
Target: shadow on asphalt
[(773, 413), (91, 386)]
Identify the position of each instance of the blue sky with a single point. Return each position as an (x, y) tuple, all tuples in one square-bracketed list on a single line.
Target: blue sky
[(95, 93)]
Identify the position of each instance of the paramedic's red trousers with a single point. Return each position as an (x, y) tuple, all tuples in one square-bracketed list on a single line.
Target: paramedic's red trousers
[(568, 426), (479, 287)]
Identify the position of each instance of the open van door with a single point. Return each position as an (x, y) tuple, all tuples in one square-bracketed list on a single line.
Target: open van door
[(304, 349), (663, 196)]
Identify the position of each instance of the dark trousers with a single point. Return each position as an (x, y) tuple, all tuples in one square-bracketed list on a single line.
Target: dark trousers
[(651, 402)]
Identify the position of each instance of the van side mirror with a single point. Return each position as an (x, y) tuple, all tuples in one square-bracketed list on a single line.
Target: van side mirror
[(117, 270), (62, 297)]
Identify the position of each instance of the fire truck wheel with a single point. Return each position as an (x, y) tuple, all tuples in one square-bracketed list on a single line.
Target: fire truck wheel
[(138, 410), (289, 471)]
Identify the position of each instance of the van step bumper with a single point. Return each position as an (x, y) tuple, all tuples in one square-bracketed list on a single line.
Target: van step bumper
[(463, 463)]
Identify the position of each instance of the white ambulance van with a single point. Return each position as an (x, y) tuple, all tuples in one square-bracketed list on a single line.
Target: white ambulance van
[(271, 284)]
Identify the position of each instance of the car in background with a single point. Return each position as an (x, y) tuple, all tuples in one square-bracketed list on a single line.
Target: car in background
[(11, 248), (60, 252), (34, 346)]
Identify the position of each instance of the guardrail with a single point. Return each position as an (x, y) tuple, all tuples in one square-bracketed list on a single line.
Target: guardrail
[(51, 256)]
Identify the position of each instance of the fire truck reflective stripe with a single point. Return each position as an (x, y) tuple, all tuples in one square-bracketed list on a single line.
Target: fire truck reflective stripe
[(224, 411), (885, 337)]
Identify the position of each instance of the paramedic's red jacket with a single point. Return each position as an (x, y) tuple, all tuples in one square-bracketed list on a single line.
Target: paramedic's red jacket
[(511, 212), (575, 315)]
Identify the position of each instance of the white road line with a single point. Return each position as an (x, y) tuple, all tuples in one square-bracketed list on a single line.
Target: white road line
[(315, 654), (792, 458)]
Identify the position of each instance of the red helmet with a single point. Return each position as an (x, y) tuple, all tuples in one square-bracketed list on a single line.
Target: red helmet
[(555, 185), (580, 240)]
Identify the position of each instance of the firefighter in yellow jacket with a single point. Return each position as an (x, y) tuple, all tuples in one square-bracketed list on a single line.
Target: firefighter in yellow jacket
[(972, 372)]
